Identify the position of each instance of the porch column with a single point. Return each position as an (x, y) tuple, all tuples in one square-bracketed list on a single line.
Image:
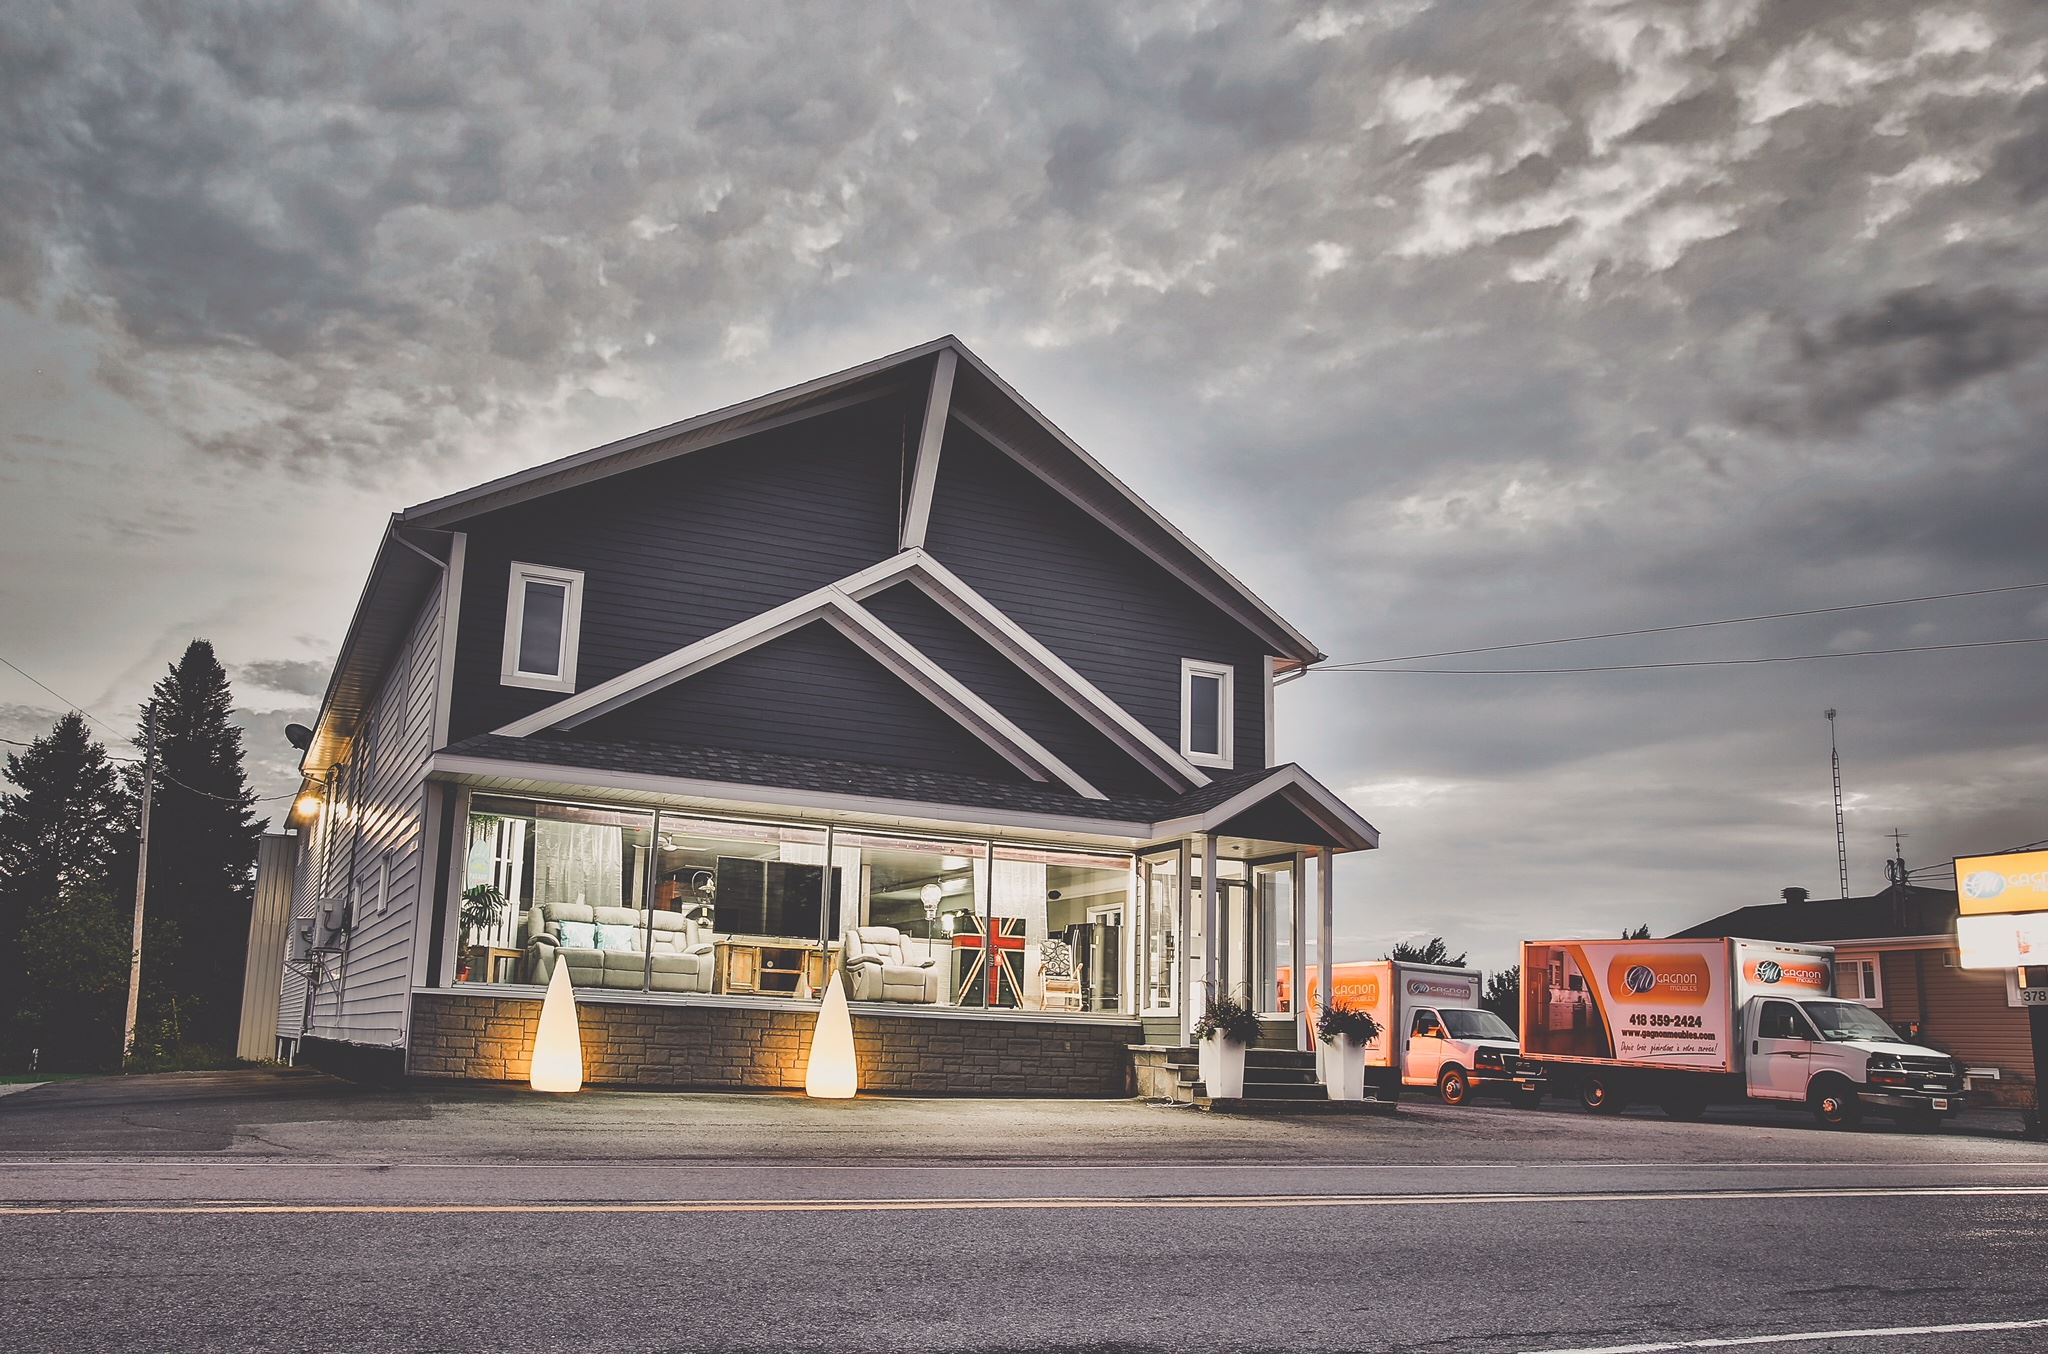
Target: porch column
[(1212, 922), (1297, 966), (1183, 976), (1326, 884)]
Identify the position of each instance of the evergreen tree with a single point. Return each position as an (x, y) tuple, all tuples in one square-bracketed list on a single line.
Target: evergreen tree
[(1435, 952), (61, 834), (1503, 996), (1639, 933), (202, 859), (76, 952)]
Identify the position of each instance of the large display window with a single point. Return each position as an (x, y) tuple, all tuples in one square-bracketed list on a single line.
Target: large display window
[(675, 903)]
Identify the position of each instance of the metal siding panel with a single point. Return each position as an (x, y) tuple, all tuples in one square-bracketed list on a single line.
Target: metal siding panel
[(811, 693), (680, 550), (1121, 620), (975, 663)]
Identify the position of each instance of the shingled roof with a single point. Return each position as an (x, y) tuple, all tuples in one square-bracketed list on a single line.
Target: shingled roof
[(1909, 910)]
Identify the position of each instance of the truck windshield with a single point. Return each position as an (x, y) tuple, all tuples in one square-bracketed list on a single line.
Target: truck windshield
[(1464, 1024), (1844, 1020)]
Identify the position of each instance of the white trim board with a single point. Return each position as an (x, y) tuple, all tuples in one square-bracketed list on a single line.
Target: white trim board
[(959, 600), (844, 613), (924, 480)]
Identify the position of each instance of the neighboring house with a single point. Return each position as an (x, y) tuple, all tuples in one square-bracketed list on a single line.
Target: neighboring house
[(1896, 952), (881, 674)]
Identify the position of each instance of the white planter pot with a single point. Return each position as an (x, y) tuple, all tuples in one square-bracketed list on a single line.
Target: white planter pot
[(1222, 1066), (1344, 1069)]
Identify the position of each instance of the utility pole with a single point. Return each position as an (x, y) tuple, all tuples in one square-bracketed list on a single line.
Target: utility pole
[(141, 877), (1841, 836)]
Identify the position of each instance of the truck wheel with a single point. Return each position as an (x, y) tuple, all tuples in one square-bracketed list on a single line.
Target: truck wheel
[(1596, 1093), (1685, 1109), (1453, 1087), (1834, 1104)]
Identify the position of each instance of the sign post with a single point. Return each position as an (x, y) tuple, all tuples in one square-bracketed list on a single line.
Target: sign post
[(2002, 922)]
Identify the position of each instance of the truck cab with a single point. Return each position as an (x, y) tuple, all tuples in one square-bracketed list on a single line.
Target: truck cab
[(1463, 1050), (1841, 1059)]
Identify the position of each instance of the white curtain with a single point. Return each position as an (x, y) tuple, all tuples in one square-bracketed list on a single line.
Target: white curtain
[(577, 860)]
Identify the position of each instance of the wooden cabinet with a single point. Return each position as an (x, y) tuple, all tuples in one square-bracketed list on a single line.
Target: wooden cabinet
[(762, 968)]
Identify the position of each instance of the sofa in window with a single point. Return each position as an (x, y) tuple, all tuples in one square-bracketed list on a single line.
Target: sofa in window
[(880, 967), (608, 947)]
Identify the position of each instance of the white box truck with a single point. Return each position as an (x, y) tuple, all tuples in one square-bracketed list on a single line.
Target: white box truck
[(1684, 1024), (1433, 1032)]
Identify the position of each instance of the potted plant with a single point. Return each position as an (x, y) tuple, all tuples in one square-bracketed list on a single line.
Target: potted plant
[(1347, 1032), (1226, 1029), (482, 905)]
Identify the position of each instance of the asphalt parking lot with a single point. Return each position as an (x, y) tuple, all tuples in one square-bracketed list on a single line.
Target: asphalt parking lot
[(220, 1209)]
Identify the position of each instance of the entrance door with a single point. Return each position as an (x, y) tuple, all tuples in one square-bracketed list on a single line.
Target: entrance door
[(1238, 979), (1780, 1052), (1425, 1055)]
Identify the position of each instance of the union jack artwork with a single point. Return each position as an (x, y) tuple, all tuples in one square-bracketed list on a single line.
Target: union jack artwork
[(988, 967)]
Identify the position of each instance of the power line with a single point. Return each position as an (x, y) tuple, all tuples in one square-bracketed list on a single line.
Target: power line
[(1690, 663), (1689, 625), (132, 761)]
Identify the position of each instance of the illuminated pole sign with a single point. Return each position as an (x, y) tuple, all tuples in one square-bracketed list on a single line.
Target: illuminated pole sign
[(2002, 902)]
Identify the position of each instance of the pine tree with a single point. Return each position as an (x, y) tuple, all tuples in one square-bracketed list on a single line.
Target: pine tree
[(1503, 995), (202, 859), (61, 838)]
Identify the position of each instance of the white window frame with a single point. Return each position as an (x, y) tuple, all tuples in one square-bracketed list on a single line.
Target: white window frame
[(1852, 962), (1190, 668), (571, 580)]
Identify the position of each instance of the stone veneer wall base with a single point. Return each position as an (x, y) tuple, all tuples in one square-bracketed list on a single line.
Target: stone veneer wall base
[(489, 1037)]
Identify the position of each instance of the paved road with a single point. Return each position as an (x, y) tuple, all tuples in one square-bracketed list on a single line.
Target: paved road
[(290, 1212)]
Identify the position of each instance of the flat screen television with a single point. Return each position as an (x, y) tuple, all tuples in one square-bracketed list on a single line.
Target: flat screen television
[(773, 898)]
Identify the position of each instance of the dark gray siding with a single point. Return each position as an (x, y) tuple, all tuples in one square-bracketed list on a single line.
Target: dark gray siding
[(908, 611), (680, 550), (1096, 601), (811, 693)]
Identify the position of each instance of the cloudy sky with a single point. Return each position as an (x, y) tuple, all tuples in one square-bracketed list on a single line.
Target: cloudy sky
[(1453, 325)]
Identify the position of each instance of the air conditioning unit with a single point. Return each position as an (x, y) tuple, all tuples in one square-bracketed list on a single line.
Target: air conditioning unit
[(337, 915)]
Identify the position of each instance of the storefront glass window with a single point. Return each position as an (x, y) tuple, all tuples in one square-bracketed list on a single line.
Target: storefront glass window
[(918, 917), (1273, 937), (756, 892), (1068, 908), (546, 883), (1160, 971)]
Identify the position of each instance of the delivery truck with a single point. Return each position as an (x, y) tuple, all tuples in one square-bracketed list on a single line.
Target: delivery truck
[(1433, 1032), (1685, 1024)]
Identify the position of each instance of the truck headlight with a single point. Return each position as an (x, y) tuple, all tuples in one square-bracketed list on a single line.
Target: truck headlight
[(1489, 1057), (1884, 1062)]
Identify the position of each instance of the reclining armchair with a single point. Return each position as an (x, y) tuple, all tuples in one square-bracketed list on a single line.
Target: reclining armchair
[(879, 967)]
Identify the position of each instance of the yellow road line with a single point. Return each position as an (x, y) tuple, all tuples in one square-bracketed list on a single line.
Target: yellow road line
[(1076, 1202)]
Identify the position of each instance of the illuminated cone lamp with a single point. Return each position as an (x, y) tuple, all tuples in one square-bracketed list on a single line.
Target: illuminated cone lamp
[(831, 1074), (558, 1043)]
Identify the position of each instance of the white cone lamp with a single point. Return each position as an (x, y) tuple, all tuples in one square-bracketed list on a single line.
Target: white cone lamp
[(831, 1074), (558, 1043)]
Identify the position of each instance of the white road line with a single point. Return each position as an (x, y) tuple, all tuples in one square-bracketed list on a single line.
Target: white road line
[(671, 1163), (1795, 1337), (1071, 1202)]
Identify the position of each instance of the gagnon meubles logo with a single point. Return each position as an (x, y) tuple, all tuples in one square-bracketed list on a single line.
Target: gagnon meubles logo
[(1675, 977), (1812, 974)]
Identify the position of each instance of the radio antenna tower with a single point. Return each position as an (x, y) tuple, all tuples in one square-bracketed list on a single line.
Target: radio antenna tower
[(1841, 836)]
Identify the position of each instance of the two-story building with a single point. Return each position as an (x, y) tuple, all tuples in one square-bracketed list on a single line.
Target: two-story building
[(881, 674)]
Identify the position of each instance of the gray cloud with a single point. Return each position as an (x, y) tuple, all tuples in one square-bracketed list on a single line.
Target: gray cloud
[(296, 676), (1915, 343), (1441, 323)]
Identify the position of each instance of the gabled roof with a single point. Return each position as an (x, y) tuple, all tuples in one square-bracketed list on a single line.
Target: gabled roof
[(975, 396), (1907, 911)]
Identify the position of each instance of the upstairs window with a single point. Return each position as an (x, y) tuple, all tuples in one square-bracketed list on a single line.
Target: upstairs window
[(543, 610), (1205, 712)]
